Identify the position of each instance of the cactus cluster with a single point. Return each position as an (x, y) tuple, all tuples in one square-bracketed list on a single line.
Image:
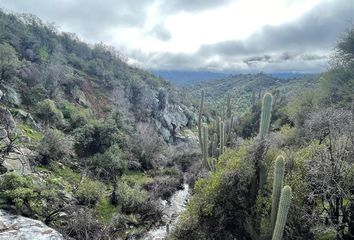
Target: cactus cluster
[(281, 199), (205, 147), (265, 115)]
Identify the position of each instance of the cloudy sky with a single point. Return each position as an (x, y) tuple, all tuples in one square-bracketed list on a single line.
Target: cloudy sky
[(214, 35)]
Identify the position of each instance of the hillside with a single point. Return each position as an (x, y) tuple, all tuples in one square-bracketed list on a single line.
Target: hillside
[(89, 144), (242, 87), (182, 78)]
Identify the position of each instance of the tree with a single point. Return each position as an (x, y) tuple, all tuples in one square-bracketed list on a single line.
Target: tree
[(330, 172)]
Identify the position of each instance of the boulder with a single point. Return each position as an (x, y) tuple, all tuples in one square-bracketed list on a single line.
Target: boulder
[(18, 161), (21, 228), (1, 94)]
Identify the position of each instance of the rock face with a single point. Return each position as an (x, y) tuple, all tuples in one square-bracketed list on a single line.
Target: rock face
[(21, 228), (172, 119), (18, 161)]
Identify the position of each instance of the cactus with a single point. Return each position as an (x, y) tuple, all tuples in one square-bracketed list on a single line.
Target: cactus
[(265, 115), (214, 145), (230, 130), (279, 170), (284, 205), (205, 147), (200, 121), (228, 112), (222, 138), (212, 163)]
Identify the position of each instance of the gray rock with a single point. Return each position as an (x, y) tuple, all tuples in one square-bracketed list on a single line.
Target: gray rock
[(6, 118), (80, 97), (21, 228), (27, 117), (1, 94), (18, 161)]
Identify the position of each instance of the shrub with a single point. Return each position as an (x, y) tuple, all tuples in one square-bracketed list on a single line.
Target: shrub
[(48, 112), (95, 137), (109, 164), (89, 191), (76, 115), (54, 146)]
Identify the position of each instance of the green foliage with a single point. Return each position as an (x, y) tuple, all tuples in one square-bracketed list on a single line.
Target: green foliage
[(95, 137), (265, 115), (17, 189), (110, 164), (12, 97), (89, 191), (220, 202), (49, 113), (105, 210), (54, 146), (279, 170), (76, 115), (131, 199), (33, 134), (35, 94), (284, 205)]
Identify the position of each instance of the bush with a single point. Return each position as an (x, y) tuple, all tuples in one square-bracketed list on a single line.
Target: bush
[(54, 146), (89, 192), (95, 137), (130, 198), (109, 164), (76, 115), (48, 112)]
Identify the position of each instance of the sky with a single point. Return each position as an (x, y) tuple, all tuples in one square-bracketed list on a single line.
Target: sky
[(208, 35)]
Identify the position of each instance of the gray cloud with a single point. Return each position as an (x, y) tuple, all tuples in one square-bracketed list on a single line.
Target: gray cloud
[(161, 33), (91, 18), (192, 5), (304, 44)]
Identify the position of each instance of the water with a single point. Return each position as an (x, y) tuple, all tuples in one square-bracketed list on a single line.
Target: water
[(172, 210)]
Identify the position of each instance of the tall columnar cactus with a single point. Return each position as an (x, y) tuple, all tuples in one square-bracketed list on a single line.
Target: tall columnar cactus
[(222, 137), (200, 121), (214, 145), (205, 147), (218, 120), (284, 205), (231, 127), (279, 170), (228, 112), (265, 115)]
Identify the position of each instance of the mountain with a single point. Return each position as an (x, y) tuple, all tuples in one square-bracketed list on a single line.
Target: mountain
[(182, 78), (241, 87)]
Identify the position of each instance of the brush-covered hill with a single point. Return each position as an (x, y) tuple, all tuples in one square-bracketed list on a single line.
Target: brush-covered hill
[(88, 143), (246, 88)]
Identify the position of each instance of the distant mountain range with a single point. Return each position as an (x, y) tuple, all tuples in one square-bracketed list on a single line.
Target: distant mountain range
[(183, 78)]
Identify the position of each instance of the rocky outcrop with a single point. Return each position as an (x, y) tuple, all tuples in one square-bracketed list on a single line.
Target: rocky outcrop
[(6, 119), (172, 120), (21, 228), (18, 161)]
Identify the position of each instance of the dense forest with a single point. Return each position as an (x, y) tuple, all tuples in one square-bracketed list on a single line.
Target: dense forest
[(95, 148)]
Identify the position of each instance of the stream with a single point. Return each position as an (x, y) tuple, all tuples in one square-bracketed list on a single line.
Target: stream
[(172, 210)]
